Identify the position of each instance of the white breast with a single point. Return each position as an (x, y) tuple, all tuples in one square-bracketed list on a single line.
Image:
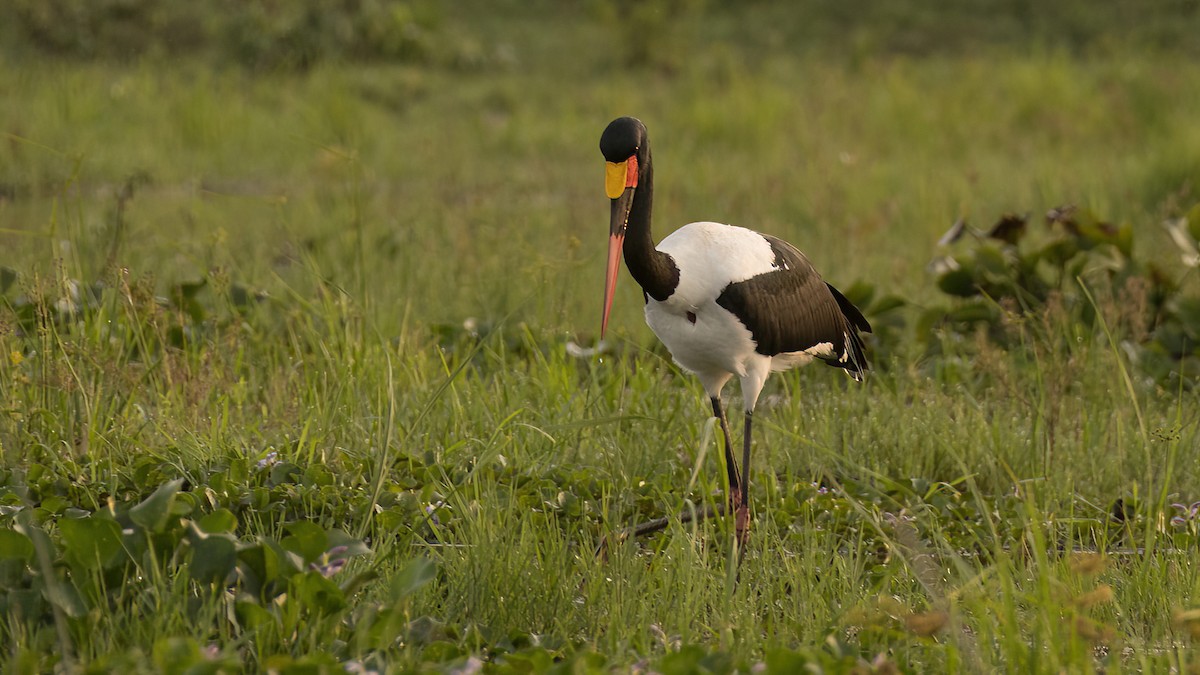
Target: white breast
[(709, 257)]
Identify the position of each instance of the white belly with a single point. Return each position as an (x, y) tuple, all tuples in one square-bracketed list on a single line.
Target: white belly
[(716, 342)]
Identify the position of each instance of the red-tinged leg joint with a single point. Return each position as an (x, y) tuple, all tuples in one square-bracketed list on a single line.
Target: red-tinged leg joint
[(734, 501), (741, 524)]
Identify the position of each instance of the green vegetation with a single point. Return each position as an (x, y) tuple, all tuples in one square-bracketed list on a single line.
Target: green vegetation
[(287, 378)]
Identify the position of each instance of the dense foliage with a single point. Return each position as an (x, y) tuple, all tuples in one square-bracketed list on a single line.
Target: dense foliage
[(258, 34)]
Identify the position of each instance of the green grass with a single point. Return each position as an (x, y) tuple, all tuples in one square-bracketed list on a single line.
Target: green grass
[(347, 221)]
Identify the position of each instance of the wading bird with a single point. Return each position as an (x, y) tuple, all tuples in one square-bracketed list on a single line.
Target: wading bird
[(725, 300)]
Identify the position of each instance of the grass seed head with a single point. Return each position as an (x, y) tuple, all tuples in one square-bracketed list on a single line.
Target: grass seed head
[(926, 624), (1088, 564)]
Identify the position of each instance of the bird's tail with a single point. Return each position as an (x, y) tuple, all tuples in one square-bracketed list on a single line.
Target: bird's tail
[(854, 358)]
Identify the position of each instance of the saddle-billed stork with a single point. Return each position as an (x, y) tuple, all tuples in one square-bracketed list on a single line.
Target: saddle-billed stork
[(725, 300)]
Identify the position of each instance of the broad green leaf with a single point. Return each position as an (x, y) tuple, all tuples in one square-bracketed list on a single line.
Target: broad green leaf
[(960, 282), (993, 260), (176, 655), (683, 662), (859, 293), (214, 558), (221, 520), (972, 312), (7, 276), (317, 593), (27, 604), (91, 543), (66, 597), (266, 566), (354, 546), (284, 472), (306, 539), (887, 303), (253, 616), (153, 513), (319, 474), (13, 574), (536, 660), (14, 545)]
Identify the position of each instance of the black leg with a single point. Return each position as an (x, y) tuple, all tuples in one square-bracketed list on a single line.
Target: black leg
[(737, 501), (742, 519), (731, 467)]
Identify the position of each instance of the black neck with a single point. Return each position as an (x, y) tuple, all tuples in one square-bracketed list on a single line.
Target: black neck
[(652, 269)]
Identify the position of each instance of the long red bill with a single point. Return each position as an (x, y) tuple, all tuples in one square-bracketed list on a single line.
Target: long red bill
[(615, 242)]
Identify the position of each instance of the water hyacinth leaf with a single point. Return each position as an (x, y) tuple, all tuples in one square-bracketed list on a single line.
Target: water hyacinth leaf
[(219, 521), (253, 616), (888, 303), (959, 281), (317, 474), (15, 546), (304, 665), (15, 550), (536, 660), (1058, 252), (781, 660), (410, 578), (265, 566), (1187, 311), (428, 631), (860, 293), (353, 546), (154, 512), (244, 298), (176, 655), (317, 593), (67, 598), (991, 260), (8, 276), (91, 543), (305, 539), (214, 558), (694, 659), (973, 312), (13, 573), (1090, 230), (183, 299), (25, 602), (284, 472)]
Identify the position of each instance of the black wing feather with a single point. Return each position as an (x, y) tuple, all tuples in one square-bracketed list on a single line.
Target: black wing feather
[(790, 309)]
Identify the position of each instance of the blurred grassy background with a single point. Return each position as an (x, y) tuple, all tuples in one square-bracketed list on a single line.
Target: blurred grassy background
[(858, 130)]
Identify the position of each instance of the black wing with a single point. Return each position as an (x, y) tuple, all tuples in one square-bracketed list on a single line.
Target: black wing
[(790, 309)]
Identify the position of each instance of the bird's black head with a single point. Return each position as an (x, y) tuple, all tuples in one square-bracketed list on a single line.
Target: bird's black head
[(622, 139), (627, 158)]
